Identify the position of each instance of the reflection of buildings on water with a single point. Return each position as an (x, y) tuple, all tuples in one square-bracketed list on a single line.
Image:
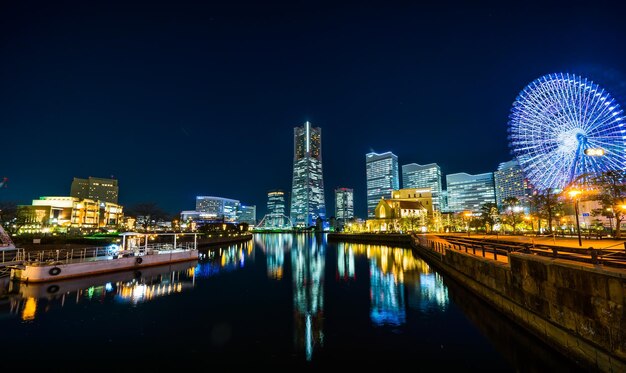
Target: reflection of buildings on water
[(231, 258), (307, 262), (345, 262), (432, 291), (394, 271), (387, 297), (274, 246), (27, 300)]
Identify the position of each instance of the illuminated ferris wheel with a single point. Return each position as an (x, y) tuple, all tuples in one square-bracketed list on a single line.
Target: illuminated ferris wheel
[(563, 126)]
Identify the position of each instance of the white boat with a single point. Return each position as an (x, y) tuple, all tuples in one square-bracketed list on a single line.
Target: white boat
[(132, 255)]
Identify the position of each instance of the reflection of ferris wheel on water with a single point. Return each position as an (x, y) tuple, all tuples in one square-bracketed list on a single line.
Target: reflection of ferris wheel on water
[(563, 126)]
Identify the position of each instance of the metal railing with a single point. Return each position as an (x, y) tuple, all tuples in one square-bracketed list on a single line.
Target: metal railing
[(614, 255)]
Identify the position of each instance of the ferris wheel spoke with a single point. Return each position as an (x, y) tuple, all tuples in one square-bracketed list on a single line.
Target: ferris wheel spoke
[(554, 119)]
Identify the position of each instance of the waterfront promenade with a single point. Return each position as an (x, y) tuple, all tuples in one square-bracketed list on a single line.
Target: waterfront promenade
[(572, 242)]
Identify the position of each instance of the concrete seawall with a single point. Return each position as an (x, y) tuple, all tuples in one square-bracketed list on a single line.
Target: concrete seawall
[(578, 308), (215, 241), (374, 238)]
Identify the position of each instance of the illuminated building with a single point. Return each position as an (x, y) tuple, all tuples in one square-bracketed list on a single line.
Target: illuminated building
[(407, 210), (276, 202), (275, 217), (423, 176), (510, 182), (95, 188), (307, 193), (344, 204), (57, 214), (247, 214), (382, 178), (469, 192), (217, 208)]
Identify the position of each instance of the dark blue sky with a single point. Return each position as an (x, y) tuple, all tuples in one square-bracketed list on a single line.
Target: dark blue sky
[(178, 99)]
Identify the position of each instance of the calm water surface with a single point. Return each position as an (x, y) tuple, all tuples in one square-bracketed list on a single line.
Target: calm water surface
[(280, 300)]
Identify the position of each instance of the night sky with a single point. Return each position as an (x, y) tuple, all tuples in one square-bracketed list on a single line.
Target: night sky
[(178, 99)]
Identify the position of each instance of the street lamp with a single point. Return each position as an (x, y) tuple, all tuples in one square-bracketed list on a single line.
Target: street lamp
[(574, 195)]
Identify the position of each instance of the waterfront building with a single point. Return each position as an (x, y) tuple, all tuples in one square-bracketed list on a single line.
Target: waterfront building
[(344, 204), (95, 188), (424, 176), (307, 193), (382, 178), (469, 192), (276, 202), (61, 214), (217, 208), (247, 214), (510, 182)]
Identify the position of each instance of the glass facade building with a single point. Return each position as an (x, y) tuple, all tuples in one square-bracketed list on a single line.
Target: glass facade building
[(424, 176), (469, 192), (510, 182), (247, 214), (276, 202), (218, 207), (344, 203), (307, 193), (382, 178)]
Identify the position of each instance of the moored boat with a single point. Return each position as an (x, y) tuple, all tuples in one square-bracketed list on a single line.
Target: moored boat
[(132, 255)]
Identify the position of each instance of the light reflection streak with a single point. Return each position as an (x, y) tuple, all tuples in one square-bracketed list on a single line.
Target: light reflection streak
[(274, 247), (307, 262), (397, 277), (29, 300)]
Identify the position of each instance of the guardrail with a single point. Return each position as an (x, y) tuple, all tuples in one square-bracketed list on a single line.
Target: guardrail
[(613, 256)]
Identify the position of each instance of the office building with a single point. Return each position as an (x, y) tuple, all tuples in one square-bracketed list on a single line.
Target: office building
[(247, 214), (510, 182), (217, 208), (344, 204), (382, 178), (276, 202), (307, 193), (469, 192), (97, 189), (424, 176)]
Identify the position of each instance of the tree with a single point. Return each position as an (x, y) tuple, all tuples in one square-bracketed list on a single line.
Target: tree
[(513, 212), (489, 216), (8, 212), (549, 206), (149, 211), (535, 208), (611, 186)]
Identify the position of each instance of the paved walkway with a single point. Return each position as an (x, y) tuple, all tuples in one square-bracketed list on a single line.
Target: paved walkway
[(604, 243)]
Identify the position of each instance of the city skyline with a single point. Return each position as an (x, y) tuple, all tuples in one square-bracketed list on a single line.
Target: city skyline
[(148, 94)]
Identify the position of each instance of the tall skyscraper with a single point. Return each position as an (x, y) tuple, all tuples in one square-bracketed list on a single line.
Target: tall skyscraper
[(423, 176), (469, 192), (344, 203), (98, 189), (382, 178), (307, 193), (510, 182), (217, 207)]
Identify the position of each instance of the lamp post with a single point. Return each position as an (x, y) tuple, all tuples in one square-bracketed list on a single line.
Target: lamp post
[(574, 194)]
